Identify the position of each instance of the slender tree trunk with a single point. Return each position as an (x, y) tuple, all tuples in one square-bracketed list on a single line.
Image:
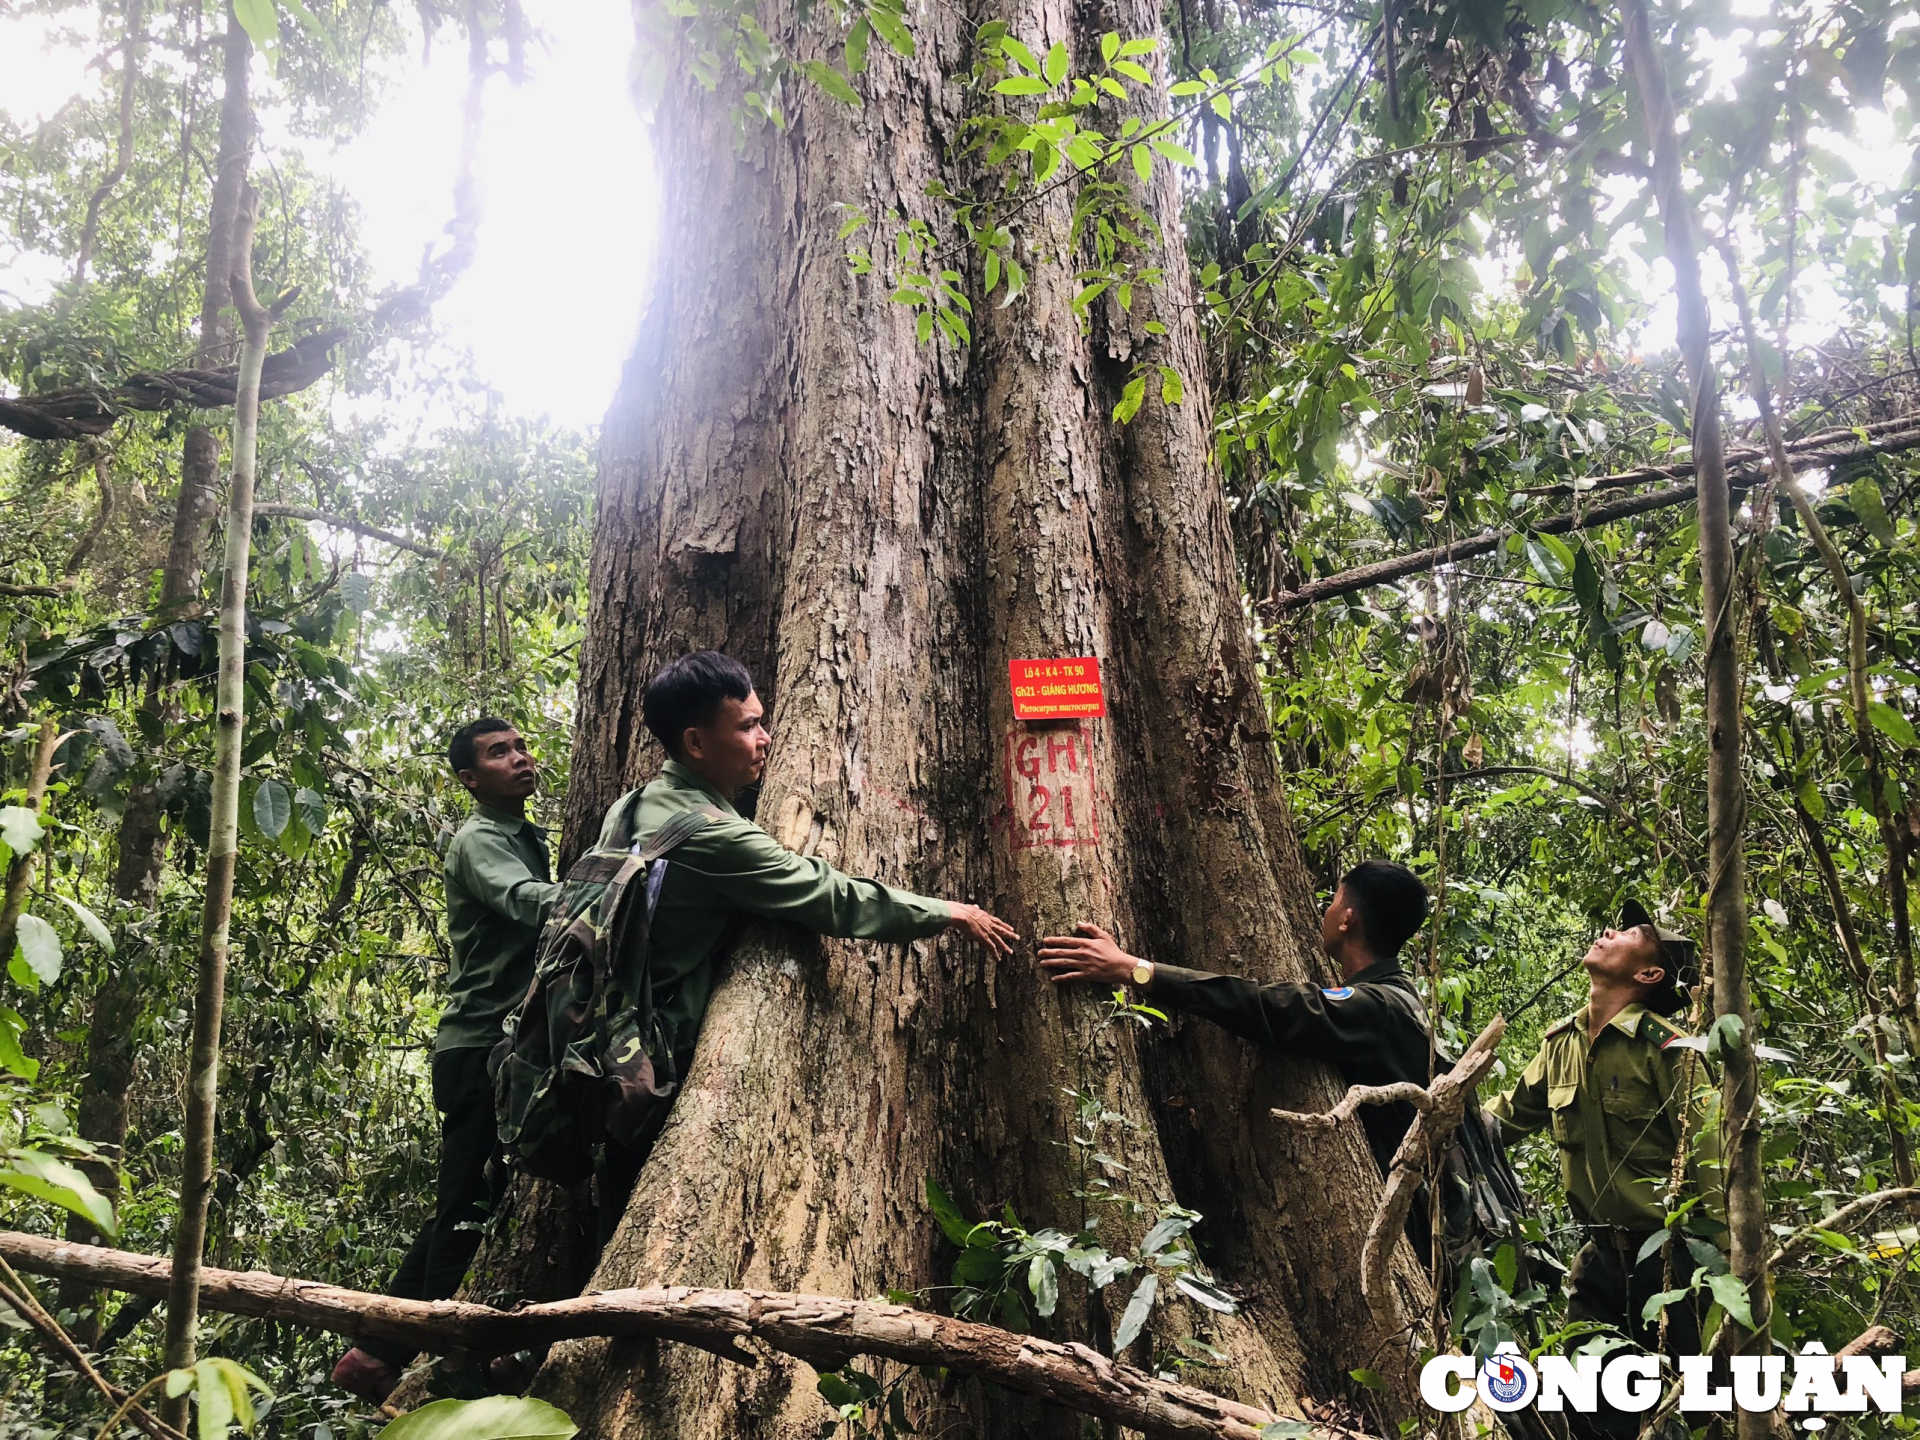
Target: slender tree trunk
[(111, 1056), (876, 527), (135, 21), (1726, 786), (1866, 738), (19, 875), (223, 843)]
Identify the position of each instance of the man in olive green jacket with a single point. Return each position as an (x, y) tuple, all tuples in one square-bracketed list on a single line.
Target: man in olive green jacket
[(1613, 1084), (703, 710), (499, 889)]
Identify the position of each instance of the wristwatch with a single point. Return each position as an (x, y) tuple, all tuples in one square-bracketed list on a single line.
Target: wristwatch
[(1143, 972)]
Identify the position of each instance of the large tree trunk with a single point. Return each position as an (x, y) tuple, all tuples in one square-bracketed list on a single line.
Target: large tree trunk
[(876, 527)]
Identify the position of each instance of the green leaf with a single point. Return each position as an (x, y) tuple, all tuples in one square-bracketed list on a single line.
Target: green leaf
[(831, 81), (272, 808), (310, 806), (216, 1402), (1142, 163), (1133, 71), (1109, 46), (1863, 498), (40, 948), (1287, 1430), (993, 270), (1165, 1230), (90, 922), (1546, 561), (1892, 724), (497, 1417), (46, 1177), (13, 1059), (1730, 1291), (1054, 67), (857, 39), (1134, 1319), (1656, 1303), (1044, 1281), (1207, 1293), (1015, 51), (1368, 1379), (1022, 85), (1130, 399), (20, 828), (258, 19), (1172, 389), (893, 30), (1724, 1032), (952, 1222), (1179, 154)]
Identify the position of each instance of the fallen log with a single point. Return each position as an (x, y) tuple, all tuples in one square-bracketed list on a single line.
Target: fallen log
[(77, 414), (822, 1331)]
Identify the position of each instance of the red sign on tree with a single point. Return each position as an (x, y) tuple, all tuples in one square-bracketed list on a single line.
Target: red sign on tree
[(1057, 689)]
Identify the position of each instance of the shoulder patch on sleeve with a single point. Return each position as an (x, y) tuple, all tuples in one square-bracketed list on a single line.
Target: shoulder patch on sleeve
[(1559, 1025), (1339, 992), (1660, 1030)]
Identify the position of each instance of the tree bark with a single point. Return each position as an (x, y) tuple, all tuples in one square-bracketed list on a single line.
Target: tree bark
[(223, 838), (1726, 786), (876, 527)]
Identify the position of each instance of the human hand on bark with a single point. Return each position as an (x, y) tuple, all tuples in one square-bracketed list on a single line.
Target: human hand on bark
[(976, 924), (1090, 953)]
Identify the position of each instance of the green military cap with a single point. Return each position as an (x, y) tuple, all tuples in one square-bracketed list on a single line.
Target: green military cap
[(1679, 956)]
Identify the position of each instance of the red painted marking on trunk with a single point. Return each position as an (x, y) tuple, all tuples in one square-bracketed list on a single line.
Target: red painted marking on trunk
[(1051, 795)]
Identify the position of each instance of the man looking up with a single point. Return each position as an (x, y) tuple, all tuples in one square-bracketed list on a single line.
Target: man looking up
[(1371, 1027), (703, 709), (499, 889), (1608, 1082)]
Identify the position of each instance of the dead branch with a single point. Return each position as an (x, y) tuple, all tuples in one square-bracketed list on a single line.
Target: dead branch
[(1442, 1107), (1838, 1220), (820, 1330), (1825, 447), (17, 1297), (1745, 469), (1358, 1095), (76, 414), (348, 522)]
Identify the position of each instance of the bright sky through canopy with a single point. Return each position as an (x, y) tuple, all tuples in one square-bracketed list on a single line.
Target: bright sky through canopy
[(551, 304)]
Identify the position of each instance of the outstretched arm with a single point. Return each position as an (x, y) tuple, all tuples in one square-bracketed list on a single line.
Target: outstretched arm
[(751, 870), (1297, 1018)]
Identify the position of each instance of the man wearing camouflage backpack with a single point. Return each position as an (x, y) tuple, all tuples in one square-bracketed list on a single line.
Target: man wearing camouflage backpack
[(703, 710)]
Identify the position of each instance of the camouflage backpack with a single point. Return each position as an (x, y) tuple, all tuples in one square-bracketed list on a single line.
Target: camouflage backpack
[(584, 1060)]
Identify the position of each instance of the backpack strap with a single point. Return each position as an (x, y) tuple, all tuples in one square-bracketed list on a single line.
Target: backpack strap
[(681, 827), (633, 940)]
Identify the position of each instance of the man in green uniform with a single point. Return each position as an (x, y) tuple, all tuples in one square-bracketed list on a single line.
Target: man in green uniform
[(1611, 1083), (703, 710), (1371, 1027), (499, 889)]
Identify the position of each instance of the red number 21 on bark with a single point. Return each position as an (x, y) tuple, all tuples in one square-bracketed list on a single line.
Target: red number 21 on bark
[(1051, 795)]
